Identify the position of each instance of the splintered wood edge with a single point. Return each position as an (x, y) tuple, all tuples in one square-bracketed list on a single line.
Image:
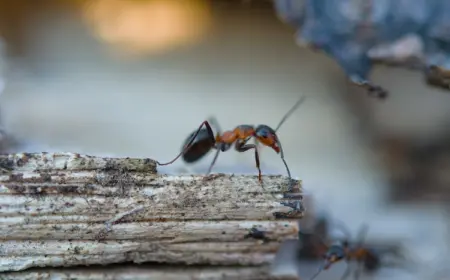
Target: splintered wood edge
[(79, 186), (156, 272), (68, 209), (95, 196), (207, 243), (72, 161)]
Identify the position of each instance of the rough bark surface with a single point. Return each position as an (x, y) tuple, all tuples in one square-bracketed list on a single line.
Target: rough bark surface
[(150, 272), (59, 210)]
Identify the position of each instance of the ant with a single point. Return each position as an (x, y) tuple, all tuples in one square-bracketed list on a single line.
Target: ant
[(342, 251), (202, 141), (367, 259)]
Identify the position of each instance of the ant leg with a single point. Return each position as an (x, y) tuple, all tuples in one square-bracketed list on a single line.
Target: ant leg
[(291, 185), (242, 146), (213, 162), (210, 132), (220, 147)]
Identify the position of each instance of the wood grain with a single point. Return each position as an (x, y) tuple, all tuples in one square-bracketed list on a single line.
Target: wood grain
[(130, 272), (59, 210)]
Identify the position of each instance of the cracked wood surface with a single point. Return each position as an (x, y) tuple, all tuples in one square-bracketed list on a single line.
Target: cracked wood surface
[(69, 209), (129, 272)]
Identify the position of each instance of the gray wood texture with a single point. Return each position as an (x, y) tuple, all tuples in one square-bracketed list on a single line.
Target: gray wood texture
[(62, 210)]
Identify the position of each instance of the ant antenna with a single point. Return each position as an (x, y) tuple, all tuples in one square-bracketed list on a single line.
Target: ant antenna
[(288, 114), (285, 117), (344, 229)]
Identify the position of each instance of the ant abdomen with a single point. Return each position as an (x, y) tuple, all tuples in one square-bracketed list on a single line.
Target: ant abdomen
[(371, 262), (203, 143)]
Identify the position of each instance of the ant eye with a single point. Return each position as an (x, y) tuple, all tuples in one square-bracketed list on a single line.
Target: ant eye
[(262, 134), (268, 135)]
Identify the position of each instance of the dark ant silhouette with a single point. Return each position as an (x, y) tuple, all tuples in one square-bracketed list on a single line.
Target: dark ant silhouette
[(366, 258), (311, 241), (202, 141), (342, 251)]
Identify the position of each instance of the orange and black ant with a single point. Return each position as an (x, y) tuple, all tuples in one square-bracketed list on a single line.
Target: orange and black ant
[(342, 251), (202, 141), (367, 259)]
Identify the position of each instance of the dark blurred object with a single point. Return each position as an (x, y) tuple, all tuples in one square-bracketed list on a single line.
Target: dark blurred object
[(313, 229), (317, 244), (358, 33), (311, 240), (419, 172), (368, 258)]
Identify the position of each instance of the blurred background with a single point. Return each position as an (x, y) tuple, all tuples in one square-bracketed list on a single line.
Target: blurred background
[(134, 78)]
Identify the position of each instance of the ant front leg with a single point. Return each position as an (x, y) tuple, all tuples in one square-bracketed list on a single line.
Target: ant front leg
[(242, 146)]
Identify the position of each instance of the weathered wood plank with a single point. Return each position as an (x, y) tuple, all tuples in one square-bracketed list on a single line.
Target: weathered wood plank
[(69, 209), (72, 161), (150, 272), (224, 231)]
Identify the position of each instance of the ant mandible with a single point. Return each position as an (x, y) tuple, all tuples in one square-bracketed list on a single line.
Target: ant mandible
[(202, 141)]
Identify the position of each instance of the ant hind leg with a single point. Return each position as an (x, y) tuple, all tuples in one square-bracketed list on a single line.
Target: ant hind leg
[(188, 145), (207, 175)]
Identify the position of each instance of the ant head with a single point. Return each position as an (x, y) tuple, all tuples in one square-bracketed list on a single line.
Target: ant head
[(267, 136), (334, 254)]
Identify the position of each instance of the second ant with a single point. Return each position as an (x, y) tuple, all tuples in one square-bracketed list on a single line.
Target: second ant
[(367, 258)]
